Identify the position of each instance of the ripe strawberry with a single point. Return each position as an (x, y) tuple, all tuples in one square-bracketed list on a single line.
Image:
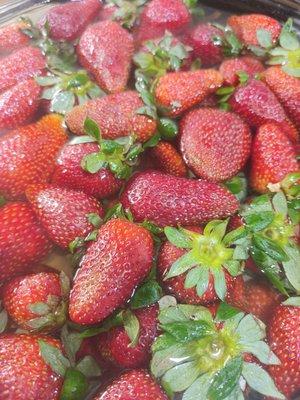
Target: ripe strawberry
[(105, 49), (230, 68), (63, 212), (113, 266), (257, 104), (133, 385), (19, 104), (246, 26), (272, 157), (114, 346), (24, 374), (179, 91), (68, 21), (287, 89), (215, 144), (12, 37), (107, 12), (283, 332), (27, 154), (116, 116), (159, 16), (22, 64), (23, 241), (168, 200), (168, 160)]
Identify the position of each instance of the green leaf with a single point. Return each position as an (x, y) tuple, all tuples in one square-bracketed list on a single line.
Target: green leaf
[(292, 301), (271, 248), (259, 221), (163, 342), (264, 38), (94, 219), (198, 390), (183, 313), (147, 294), (235, 235), (75, 386), (238, 186), (62, 102), (75, 244), (93, 162), (54, 358), (152, 142), (109, 323), (3, 320), (261, 351), (132, 327), (178, 237), (188, 330), (164, 360), (167, 128), (82, 139), (71, 342), (243, 77), (216, 228), (250, 330), (288, 38), (181, 376), (39, 308), (280, 203), (292, 266), (219, 283), (182, 264), (234, 267), (193, 276), (92, 129), (225, 312), (88, 367), (47, 80), (203, 281)]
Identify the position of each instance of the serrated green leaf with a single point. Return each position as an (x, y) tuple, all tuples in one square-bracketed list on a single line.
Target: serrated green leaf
[(198, 390), (180, 377), (89, 367), (39, 308), (152, 142), (192, 277), (82, 139), (182, 264), (62, 102), (292, 266), (270, 247), (164, 360), (178, 237), (225, 312), (235, 235), (203, 281), (47, 80), (234, 267), (163, 342), (261, 351), (280, 203), (188, 330), (93, 162), (219, 283), (94, 219), (54, 358), (184, 312), (250, 330), (259, 221), (264, 38), (92, 129), (71, 342), (132, 327), (146, 295), (292, 301)]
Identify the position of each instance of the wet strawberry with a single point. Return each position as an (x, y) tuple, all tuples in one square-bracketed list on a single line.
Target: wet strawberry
[(27, 154), (116, 116), (178, 91), (230, 68), (113, 266), (12, 38), (215, 144), (105, 49), (168, 159)]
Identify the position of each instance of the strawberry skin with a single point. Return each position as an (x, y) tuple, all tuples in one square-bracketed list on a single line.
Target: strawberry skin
[(168, 159), (69, 173), (27, 154), (105, 49), (19, 104), (63, 212), (246, 26), (23, 373), (12, 37), (68, 21), (169, 200), (179, 91), (116, 115), (257, 104), (133, 385), (22, 64), (283, 332), (229, 68), (23, 241), (272, 158), (215, 144), (114, 346), (113, 266)]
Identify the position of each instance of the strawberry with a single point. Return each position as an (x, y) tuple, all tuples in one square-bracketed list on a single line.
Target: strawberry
[(116, 116), (246, 26), (107, 12), (133, 385), (272, 157), (179, 91), (23, 241), (114, 346), (168, 160), (105, 49), (37, 301), (113, 266), (169, 200), (19, 104), (27, 154), (257, 104), (24, 374), (159, 16), (63, 212), (70, 174), (22, 64), (12, 38), (215, 144), (283, 333), (287, 90), (68, 21), (230, 68)]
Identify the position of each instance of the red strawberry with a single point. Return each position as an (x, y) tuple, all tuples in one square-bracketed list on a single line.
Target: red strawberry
[(45, 292), (107, 12), (272, 158), (68, 21), (168, 159), (12, 38), (69, 173), (111, 269), (215, 144), (169, 200), (201, 39), (27, 154), (246, 26), (23, 241), (179, 91), (23, 372), (230, 68), (116, 116), (22, 64), (287, 89), (19, 104), (63, 212), (283, 332), (133, 385), (162, 15), (105, 49), (114, 346), (257, 104)]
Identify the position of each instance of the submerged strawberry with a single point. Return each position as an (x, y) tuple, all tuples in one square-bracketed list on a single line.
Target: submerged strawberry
[(12, 37), (168, 159), (231, 68)]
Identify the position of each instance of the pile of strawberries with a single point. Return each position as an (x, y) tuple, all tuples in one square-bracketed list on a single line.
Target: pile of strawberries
[(149, 204)]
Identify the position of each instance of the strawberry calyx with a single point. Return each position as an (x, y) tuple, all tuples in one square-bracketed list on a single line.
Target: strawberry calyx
[(229, 42), (225, 92), (3, 318), (126, 12)]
